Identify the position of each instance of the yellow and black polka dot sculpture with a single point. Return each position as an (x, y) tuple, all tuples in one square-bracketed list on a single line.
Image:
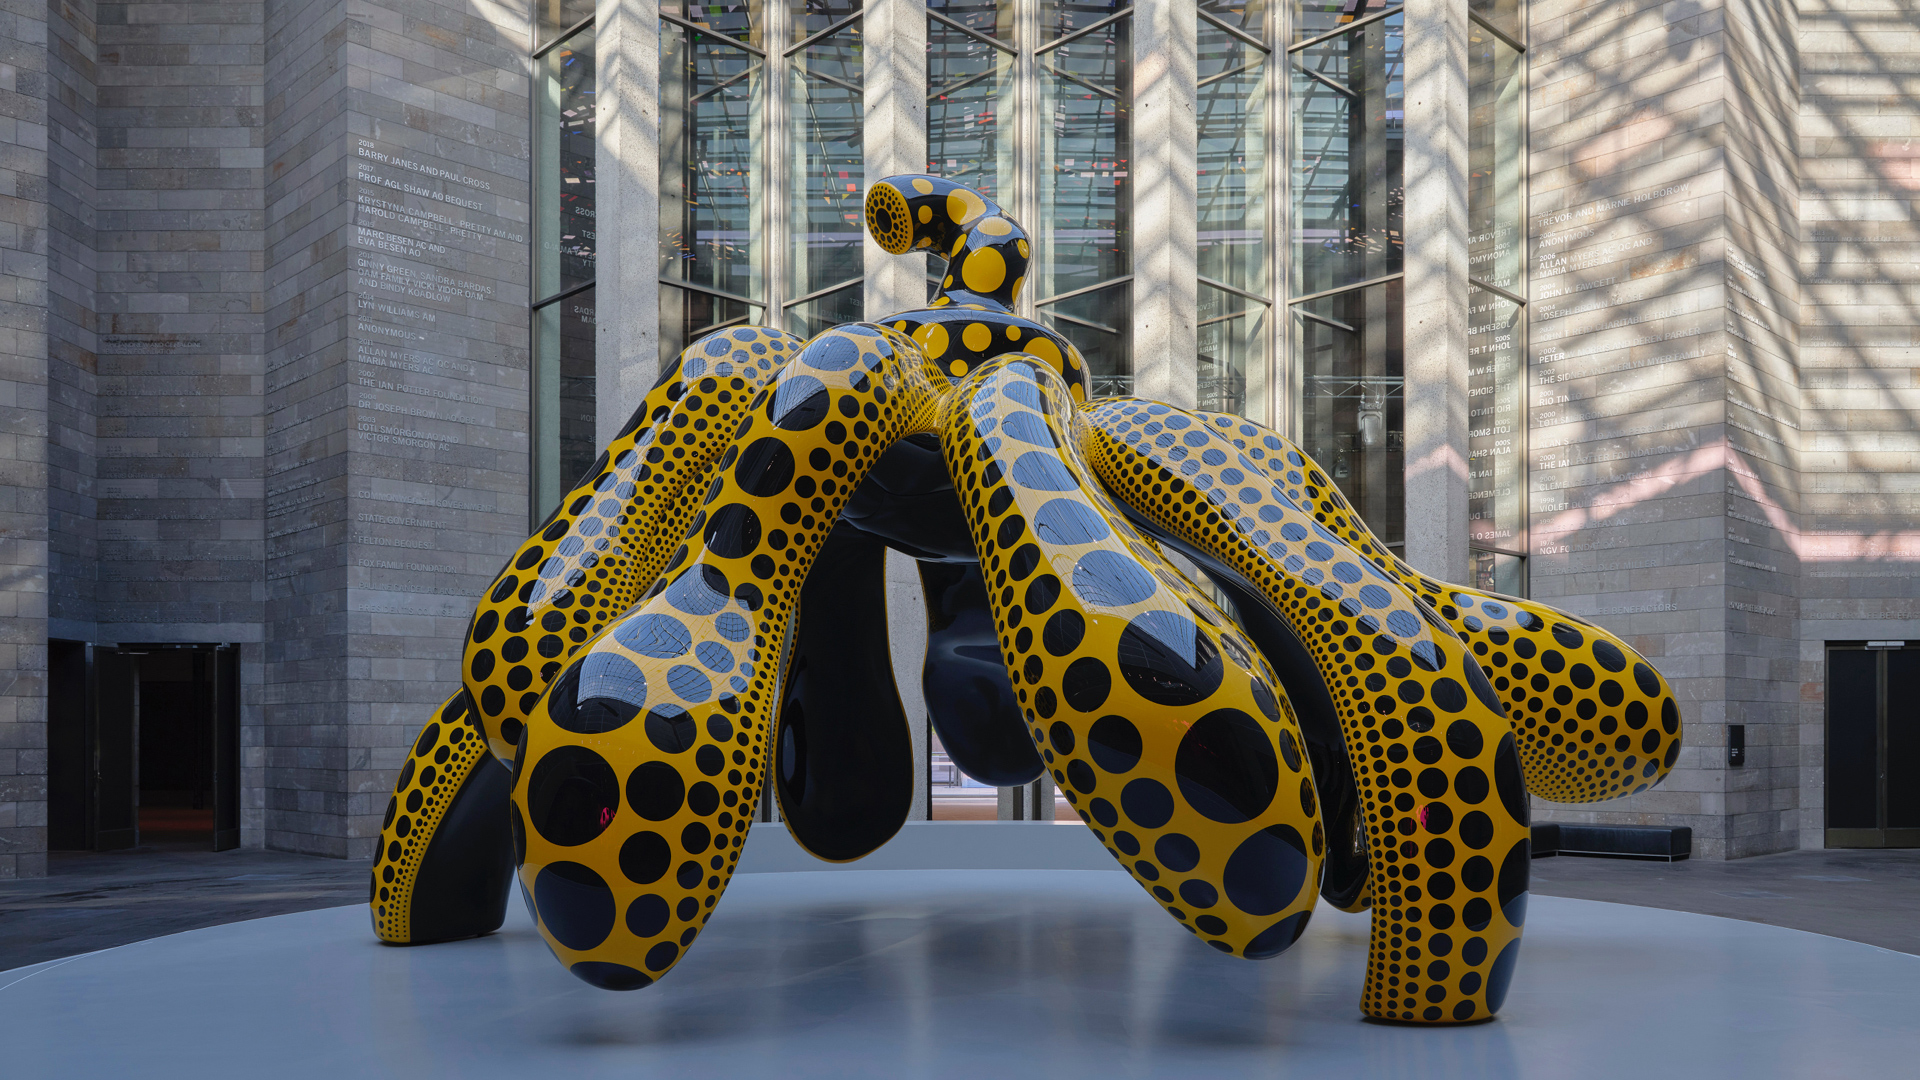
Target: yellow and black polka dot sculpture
[(705, 614)]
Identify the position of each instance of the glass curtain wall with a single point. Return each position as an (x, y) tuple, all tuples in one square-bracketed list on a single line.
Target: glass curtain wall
[(563, 250), (826, 224), (1235, 317), (1497, 318), (712, 185), (1346, 64), (1030, 101), (761, 167)]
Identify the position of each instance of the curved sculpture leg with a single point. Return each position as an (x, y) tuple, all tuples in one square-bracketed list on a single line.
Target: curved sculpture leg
[(843, 754), (1345, 882), (445, 861), (969, 699), (645, 758), (609, 539), (1440, 776), (1594, 719), (600, 549), (1164, 729)]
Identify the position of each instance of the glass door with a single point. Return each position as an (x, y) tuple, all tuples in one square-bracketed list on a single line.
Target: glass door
[(1873, 744)]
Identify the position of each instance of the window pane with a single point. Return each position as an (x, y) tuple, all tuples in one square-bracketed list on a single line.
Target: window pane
[(1503, 574), (687, 316), (553, 16), (1232, 222), (1248, 16), (812, 16), (1311, 18), (710, 166), (564, 446), (1099, 324), (829, 179), (1086, 199), (1495, 166), (826, 312), (563, 166), (742, 22), (1352, 411), (1496, 421), (1349, 123), (1232, 333), (1504, 14)]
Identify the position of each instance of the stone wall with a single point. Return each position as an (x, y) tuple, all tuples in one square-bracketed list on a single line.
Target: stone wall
[(1663, 367), (397, 361), (1860, 348), (24, 89)]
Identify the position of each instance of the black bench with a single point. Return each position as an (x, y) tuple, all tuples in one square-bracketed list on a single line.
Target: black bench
[(1666, 842)]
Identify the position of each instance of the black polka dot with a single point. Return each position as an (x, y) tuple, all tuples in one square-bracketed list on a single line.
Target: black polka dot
[(1198, 893), (1086, 684), (1127, 842), (703, 799), (1511, 783), (1061, 736), (799, 403), (1277, 938), (648, 915), (1645, 678), (1226, 768), (1307, 800), (1211, 924), (1114, 743), (764, 468), (1567, 636), (1471, 785), (1476, 914), (575, 905), (1289, 750), (1476, 873), (572, 795), (1448, 695), (1264, 874), (1438, 818), (1500, 977), (1432, 783), (688, 875), (1514, 872), (1177, 853), (1476, 830), (1269, 706), (1063, 631), (1166, 659), (662, 956), (1439, 853), (671, 729), (1147, 802), (1080, 775), (695, 838), (1103, 812), (609, 976), (733, 532), (645, 857)]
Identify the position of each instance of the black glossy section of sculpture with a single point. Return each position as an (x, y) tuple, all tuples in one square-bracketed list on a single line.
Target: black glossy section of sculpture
[(467, 870), (969, 697), (843, 754)]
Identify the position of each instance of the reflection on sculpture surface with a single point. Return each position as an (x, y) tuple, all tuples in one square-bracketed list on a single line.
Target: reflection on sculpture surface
[(706, 611)]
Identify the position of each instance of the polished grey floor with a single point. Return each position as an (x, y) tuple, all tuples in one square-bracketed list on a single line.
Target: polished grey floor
[(956, 974)]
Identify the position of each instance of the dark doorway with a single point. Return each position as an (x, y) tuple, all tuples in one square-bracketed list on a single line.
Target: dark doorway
[(1873, 744), (143, 746)]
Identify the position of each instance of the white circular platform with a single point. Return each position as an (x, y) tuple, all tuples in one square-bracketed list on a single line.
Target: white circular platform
[(944, 973)]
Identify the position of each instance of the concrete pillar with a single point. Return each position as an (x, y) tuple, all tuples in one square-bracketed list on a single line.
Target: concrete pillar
[(627, 205), (895, 131), (1165, 230), (1435, 170)]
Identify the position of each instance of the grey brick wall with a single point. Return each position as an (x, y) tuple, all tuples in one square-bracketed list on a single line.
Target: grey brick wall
[(23, 438), (1860, 351), (1665, 378)]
